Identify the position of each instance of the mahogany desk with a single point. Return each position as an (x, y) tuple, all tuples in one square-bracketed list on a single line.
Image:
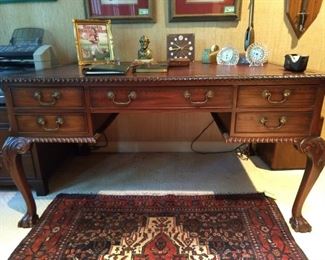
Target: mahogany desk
[(249, 104)]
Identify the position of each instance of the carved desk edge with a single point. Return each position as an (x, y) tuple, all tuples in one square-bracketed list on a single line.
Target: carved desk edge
[(140, 79), (76, 140), (239, 139)]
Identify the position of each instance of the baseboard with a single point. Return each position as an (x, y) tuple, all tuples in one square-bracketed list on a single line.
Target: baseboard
[(134, 147)]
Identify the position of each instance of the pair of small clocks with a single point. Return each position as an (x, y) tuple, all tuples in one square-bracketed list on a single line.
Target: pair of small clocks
[(256, 55), (182, 46)]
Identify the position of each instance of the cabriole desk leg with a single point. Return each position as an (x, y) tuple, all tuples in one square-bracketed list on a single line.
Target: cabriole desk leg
[(314, 148), (12, 150)]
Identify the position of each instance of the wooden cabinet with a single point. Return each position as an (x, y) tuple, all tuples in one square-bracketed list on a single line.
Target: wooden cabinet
[(281, 156)]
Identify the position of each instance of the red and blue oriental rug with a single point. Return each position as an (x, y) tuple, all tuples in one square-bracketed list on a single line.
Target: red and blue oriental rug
[(168, 227)]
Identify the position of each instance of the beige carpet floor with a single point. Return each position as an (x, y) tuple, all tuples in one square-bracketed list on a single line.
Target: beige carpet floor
[(166, 173)]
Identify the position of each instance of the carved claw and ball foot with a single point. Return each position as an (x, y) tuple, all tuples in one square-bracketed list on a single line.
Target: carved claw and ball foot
[(28, 220), (299, 224), (12, 150), (314, 148)]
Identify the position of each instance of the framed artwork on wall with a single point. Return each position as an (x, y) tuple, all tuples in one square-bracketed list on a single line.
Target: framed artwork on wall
[(94, 41), (204, 10), (121, 11), (23, 1)]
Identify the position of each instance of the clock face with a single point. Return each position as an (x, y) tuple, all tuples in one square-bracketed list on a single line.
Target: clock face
[(256, 54), (228, 56), (180, 46)]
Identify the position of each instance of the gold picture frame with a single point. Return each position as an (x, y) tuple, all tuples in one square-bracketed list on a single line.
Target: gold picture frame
[(94, 41)]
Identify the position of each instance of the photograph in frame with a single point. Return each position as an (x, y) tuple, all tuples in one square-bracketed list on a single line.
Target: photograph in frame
[(121, 11), (204, 10), (94, 41), (23, 1)]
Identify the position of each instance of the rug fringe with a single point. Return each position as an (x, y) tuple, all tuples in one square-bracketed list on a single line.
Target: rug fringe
[(167, 193)]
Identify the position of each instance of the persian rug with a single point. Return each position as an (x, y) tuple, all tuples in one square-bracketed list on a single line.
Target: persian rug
[(76, 226)]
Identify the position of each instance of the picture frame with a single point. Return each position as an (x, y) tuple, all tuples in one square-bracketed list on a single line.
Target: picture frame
[(23, 1), (204, 10), (94, 41), (121, 11)]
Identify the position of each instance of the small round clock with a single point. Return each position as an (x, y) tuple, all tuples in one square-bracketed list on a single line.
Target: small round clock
[(256, 54), (228, 56), (181, 46)]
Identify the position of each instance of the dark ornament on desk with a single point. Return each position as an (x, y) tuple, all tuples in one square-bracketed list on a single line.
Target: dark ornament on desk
[(302, 13), (295, 62), (144, 53)]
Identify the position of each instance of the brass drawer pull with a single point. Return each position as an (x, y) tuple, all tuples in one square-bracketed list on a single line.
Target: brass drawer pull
[(59, 121), (56, 95), (268, 96), (209, 94), (131, 96), (282, 121)]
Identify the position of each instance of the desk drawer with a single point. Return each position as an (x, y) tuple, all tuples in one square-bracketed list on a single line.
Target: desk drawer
[(47, 97), (217, 97), (276, 96), (52, 123), (297, 123)]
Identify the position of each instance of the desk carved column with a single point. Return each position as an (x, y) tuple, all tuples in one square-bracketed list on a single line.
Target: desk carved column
[(12, 150), (314, 148)]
